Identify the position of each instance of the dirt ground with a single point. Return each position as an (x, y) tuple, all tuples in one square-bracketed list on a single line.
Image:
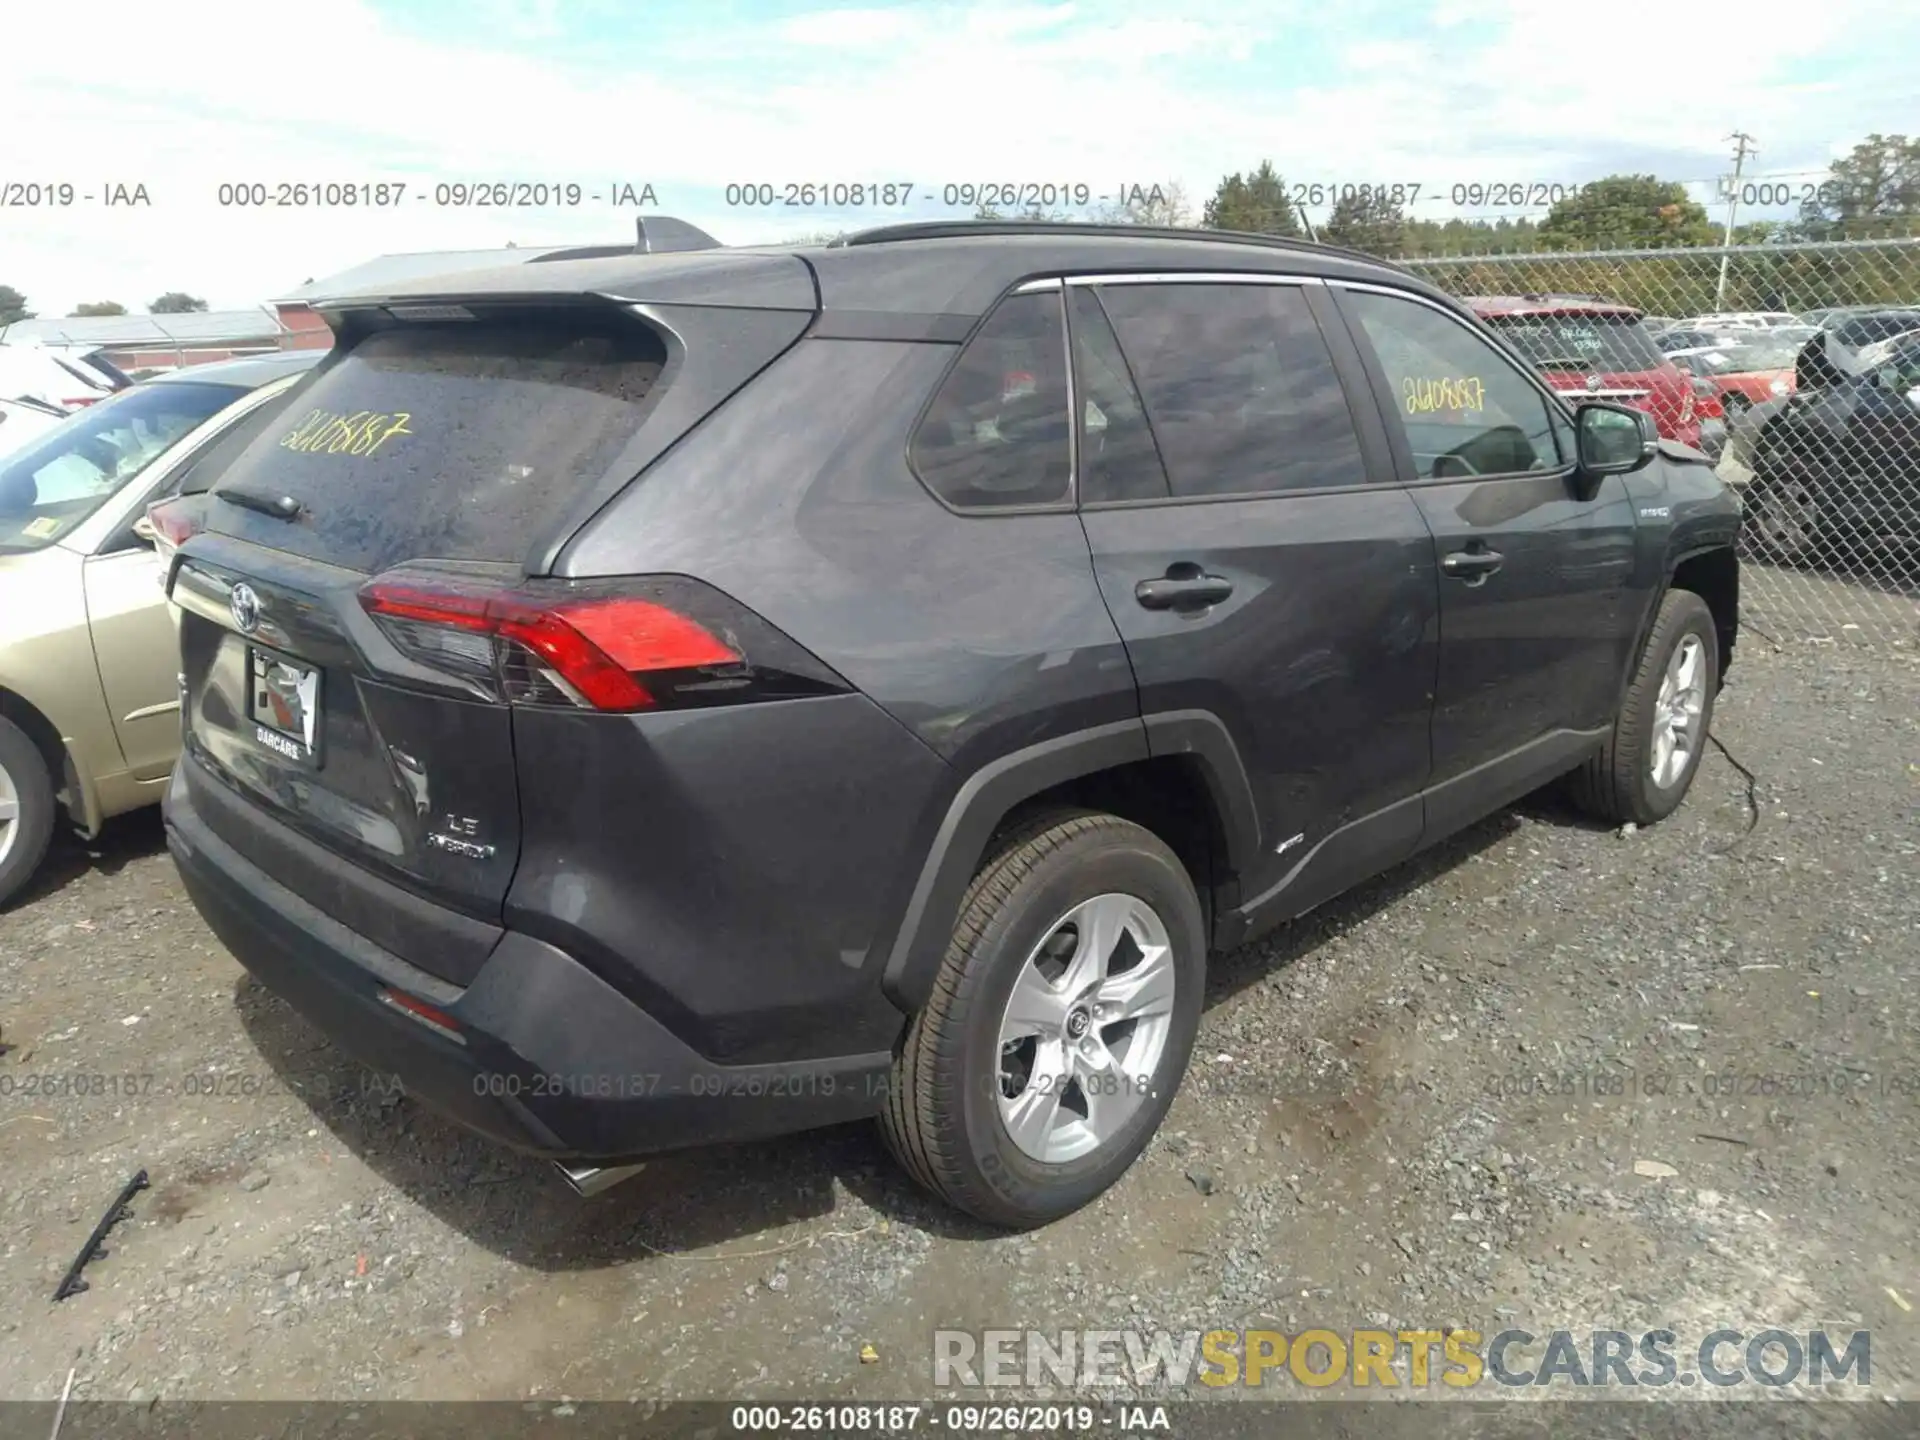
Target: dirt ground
[(1421, 1106)]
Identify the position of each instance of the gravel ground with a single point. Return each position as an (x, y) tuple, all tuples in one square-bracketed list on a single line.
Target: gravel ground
[(1421, 1106)]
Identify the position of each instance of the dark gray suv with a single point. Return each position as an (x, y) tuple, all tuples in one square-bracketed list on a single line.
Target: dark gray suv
[(651, 699)]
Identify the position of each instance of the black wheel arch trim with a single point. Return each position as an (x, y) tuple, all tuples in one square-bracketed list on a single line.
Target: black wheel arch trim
[(986, 797), (1205, 736)]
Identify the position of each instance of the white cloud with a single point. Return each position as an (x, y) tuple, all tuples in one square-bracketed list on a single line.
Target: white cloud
[(184, 97), (848, 29)]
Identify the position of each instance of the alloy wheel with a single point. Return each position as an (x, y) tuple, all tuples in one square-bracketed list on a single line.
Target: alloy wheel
[(9, 814), (1085, 1027), (1677, 728)]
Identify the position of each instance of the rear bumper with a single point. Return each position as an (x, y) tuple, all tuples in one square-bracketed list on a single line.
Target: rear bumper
[(550, 1059)]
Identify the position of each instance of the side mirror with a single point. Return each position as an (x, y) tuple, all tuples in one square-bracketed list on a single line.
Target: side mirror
[(1614, 439)]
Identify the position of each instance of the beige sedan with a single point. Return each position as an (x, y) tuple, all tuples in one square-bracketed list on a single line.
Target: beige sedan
[(89, 695)]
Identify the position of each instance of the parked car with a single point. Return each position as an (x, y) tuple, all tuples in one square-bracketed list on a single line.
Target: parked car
[(23, 420), (1835, 316), (1744, 375), (1672, 342), (70, 379), (38, 384), (89, 713), (885, 708), (1743, 320), (1838, 468), (1827, 358), (1598, 350)]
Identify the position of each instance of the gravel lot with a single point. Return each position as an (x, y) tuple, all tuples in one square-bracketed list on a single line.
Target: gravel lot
[(1396, 1117)]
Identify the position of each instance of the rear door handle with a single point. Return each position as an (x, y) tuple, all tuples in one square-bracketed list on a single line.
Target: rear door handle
[(1183, 587), (1472, 566)]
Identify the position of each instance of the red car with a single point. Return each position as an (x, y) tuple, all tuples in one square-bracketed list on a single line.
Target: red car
[(1595, 349), (1745, 375)]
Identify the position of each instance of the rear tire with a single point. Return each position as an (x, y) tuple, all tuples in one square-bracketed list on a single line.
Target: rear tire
[(1635, 778), (26, 809), (968, 1112), (1782, 518)]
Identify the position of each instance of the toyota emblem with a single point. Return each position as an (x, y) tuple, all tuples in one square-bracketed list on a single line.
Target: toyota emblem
[(246, 608), (1593, 382)]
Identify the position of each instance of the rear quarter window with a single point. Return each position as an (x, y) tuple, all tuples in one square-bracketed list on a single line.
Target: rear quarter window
[(454, 441), (997, 433)]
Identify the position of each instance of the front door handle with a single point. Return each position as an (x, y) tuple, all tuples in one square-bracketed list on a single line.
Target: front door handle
[(1472, 566), (1183, 587)]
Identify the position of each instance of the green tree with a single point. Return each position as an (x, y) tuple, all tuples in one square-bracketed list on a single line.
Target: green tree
[(1623, 212), (1470, 237), (1872, 192), (1256, 202), (98, 307), (1367, 220), (13, 306), (176, 302)]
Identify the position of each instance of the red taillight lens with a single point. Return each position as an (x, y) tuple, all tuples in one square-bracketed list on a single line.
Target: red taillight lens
[(173, 523), (1706, 399), (675, 642)]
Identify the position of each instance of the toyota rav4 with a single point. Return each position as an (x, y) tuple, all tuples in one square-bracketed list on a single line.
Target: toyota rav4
[(640, 700)]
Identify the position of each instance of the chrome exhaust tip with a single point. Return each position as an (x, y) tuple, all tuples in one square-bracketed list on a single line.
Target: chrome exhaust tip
[(590, 1180)]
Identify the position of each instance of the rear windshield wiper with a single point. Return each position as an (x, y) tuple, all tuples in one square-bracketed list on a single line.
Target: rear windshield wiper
[(281, 507)]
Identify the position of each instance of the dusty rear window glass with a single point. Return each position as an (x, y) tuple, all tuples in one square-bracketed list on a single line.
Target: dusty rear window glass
[(457, 441)]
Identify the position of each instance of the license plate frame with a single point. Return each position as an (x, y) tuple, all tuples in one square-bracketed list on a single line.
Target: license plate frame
[(288, 691)]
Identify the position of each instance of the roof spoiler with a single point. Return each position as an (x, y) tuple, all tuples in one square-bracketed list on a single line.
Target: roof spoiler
[(654, 235)]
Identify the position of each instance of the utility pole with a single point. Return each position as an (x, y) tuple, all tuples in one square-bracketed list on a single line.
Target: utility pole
[(1743, 147)]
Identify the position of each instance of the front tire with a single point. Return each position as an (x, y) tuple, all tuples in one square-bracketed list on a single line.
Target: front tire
[(26, 809), (1060, 1024), (1648, 763)]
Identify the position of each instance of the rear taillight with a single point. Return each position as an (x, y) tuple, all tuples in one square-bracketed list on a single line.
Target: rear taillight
[(644, 644), (1706, 399), (172, 523)]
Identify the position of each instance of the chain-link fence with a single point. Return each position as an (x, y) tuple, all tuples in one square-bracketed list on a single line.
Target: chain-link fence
[(1803, 362)]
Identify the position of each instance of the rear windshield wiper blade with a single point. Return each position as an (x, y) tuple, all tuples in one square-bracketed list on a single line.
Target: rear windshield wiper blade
[(281, 507)]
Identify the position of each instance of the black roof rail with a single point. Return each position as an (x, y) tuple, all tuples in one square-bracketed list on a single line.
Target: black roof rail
[(653, 235), (955, 229)]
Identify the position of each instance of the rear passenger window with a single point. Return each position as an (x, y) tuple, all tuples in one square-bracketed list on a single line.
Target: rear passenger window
[(1118, 459), (1464, 408), (1239, 387), (997, 432)]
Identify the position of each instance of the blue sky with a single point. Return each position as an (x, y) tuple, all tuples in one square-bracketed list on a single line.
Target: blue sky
[(691, 96)]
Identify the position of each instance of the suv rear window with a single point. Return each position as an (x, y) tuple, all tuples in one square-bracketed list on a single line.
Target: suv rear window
[(457, 441), (1581, 342)]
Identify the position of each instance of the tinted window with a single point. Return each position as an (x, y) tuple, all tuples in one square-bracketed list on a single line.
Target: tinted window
[(1238, 385), (1580, 342), (446, 441), (50, 486), (996, 433), (1465, 409), (1118, 457)]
